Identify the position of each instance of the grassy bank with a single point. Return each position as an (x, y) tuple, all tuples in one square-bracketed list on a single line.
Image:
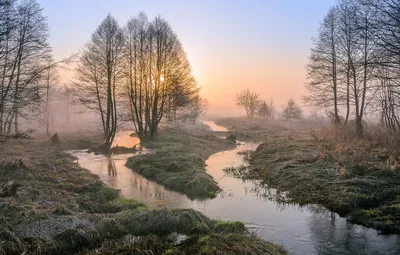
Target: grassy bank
[(256, 130), (179, 162), (60, 208), (355, 178)]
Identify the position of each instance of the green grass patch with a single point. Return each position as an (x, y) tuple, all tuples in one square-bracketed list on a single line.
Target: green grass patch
[(179, 163), (228, 227)]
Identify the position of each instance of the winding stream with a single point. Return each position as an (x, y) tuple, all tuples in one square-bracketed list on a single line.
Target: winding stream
[(309, 230)]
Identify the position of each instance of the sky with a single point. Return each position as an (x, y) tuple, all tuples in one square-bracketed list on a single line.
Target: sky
[(260, 44)]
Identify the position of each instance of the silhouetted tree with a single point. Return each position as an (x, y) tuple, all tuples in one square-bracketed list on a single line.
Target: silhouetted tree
[(292, 110), (343, 63), (99, 73), (249, 101), (50, 79), (322, 68), (158, 76), (24, 51), (266, 110)]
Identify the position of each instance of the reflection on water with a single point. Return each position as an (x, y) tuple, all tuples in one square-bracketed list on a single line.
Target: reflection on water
[(215, 127), (132, 185), (124, 138), (307, 230), (112, 170)]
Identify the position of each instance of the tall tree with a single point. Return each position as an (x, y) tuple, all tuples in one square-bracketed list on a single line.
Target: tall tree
[(50, 79), (385, 30), (24, 51), (347, 49), (99, 73), (323, 67), (158, 76)]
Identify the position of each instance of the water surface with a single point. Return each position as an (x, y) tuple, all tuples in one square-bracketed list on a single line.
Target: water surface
[(310, 230)]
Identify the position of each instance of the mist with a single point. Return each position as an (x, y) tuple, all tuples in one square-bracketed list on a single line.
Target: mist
[(199, 127)]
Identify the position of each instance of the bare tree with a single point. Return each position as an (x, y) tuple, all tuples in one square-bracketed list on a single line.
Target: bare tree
[(323, 66), (384, 29), (347, 49), (266, 110), (292, 110), (99, 73), (249, 101), (24, 51), (50, 79), (158, 78), (343, 62)]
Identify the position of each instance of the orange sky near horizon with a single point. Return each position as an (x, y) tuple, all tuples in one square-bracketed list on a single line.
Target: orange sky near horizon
[(270, 76), (231, 45)]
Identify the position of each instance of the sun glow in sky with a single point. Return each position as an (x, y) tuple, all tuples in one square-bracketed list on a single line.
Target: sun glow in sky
[(262, 44)]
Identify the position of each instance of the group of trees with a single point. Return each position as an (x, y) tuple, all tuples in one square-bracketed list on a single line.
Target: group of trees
[(254, 106), (266, 110), (28, 73), (354, 65), (138, 72), (25, 56)]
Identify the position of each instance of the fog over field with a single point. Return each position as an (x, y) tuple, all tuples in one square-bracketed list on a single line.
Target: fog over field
[(207, 127)]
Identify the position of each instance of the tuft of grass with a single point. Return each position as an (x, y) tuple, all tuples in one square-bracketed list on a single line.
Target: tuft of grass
[(212, 195), (128, 204), (203, 245), (229, 227), (231, 137), (59, 161), (162, 222), (170, 251)]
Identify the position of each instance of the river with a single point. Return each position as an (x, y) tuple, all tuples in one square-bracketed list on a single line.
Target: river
[(307, 230)]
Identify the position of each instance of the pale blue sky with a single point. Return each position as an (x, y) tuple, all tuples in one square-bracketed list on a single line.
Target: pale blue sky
[(263, 45)]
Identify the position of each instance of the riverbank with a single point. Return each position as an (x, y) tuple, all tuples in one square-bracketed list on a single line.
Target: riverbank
[(255, 130), (356, 178), (60, 208), (179, 161)]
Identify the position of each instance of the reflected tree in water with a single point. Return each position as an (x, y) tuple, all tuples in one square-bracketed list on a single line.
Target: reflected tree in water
[(112, 170)]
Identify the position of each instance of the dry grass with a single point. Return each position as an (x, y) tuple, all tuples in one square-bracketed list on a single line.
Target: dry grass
[(357, 178), (204, 245), (377, 148), (61, 208)]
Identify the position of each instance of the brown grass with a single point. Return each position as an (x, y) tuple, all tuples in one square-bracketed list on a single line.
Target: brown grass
[(355, 177), (61, 208)]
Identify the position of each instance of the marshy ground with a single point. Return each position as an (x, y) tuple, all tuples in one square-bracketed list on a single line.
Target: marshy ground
[(179, 161), (356, 178), (61, 208)]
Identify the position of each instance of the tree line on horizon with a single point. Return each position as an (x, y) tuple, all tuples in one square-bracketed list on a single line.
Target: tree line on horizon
[(255, 107), (354, 66)]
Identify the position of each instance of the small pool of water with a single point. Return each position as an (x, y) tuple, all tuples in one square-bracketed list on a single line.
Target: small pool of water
[(309, 230)]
